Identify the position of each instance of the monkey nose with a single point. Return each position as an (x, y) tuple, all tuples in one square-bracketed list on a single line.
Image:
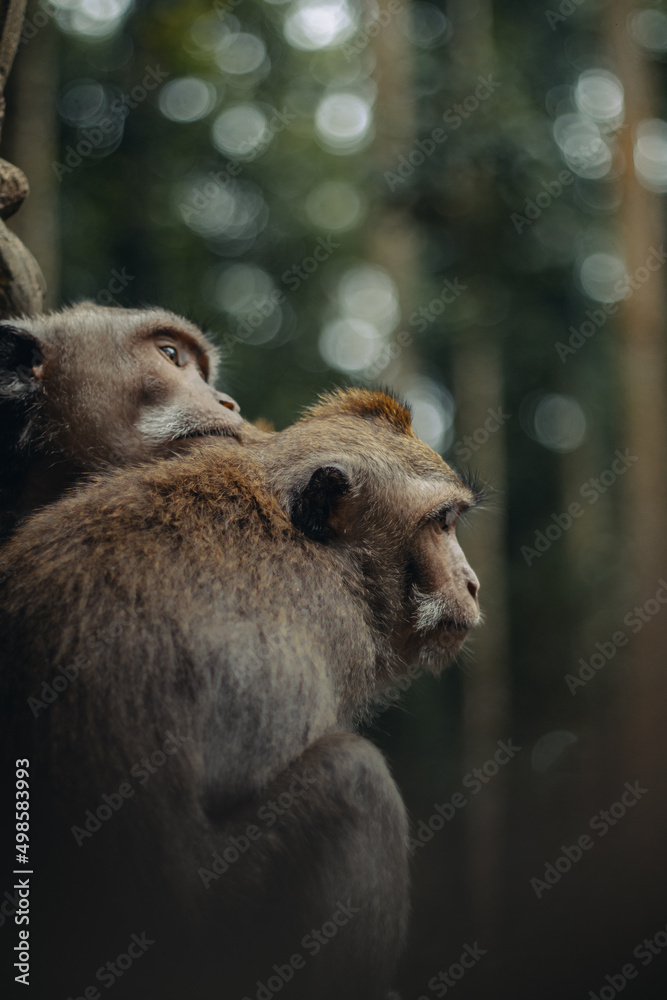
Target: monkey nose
[(228, 402), (472, 583)]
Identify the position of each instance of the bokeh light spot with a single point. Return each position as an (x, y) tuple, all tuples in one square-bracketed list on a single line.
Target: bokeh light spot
[(559, 423), (94, 18), (240, 54), (343, 122), (335, 205), (318, 24), (603, 277), (582, 145), (424, 25), (649, 28), (82, 103), (432, 410), (599, 95), (187, 99), (368, 293), (241, 131), (350, 344)]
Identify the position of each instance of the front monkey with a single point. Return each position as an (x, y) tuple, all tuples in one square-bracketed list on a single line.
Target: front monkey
[(243, 608), (91, 387)]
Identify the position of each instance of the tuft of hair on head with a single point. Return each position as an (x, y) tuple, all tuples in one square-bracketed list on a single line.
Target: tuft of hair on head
[(369, 404)]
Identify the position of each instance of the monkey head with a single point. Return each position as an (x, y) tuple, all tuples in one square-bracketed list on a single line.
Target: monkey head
[(91, 387), (391, 504)]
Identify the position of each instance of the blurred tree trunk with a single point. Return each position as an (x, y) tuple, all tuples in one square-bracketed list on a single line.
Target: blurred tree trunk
[(478, 388), (393, 240), (477, 379), (643, 694)]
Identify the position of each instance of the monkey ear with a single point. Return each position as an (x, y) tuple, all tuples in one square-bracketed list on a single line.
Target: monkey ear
[(20, 355), (311, 509)]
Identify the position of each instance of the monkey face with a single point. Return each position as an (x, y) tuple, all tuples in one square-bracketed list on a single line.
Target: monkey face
[(428, 582), (444, 588), (442, 601), (113, 386), (177, 401), (389, 500)]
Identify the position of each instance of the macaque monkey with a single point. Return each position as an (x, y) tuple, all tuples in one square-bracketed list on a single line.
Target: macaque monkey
[(92, 387), (187, 649)]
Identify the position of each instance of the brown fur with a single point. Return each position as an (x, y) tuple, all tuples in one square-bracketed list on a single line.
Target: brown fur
[(90, 387), (366, 404), (257, 599)]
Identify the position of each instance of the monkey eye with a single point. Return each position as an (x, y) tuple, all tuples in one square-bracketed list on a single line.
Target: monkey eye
[(446, 520), (170, 352), (181, 356)]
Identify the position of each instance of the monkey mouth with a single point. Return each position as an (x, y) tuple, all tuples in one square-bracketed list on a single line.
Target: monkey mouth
[(438, 646), (437, 641), (457, 628), (451, 633), (217, 431)]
